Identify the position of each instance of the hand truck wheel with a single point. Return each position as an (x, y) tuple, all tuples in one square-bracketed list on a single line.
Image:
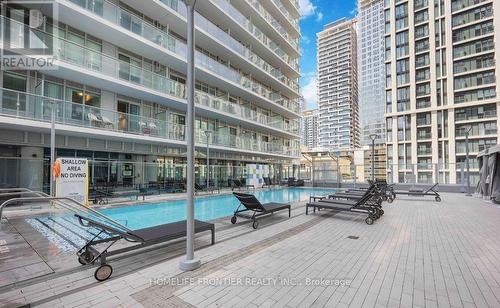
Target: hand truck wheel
[(85, 257), (255, 224), (369, 221), (103, 272), (233, 220)]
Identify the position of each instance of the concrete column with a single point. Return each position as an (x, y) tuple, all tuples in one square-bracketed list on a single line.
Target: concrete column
[(31, 168)]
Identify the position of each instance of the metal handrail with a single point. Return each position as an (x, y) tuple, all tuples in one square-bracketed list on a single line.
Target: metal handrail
[(23, 192), (11, 190), (46, 197)]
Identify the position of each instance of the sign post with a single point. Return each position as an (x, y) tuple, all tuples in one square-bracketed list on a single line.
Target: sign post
[(71, 176)]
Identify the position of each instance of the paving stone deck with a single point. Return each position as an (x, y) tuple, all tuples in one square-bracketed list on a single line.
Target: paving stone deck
[(419, 254)]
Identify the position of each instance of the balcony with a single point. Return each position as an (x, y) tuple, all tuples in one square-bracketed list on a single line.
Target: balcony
[(174, 48), (274, 18), (129, 79), (245, 24), (27, 106)]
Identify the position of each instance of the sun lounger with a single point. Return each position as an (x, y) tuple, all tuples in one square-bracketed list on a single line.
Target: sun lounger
[(90, 253), (235, 183), (251, 204), (362, 205), (416, 192), (200, 188)]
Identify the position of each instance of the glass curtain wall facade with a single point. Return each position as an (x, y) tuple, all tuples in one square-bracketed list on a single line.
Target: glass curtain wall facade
[(118, 90)]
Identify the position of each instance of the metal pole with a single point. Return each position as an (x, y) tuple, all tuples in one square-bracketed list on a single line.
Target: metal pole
[(373, 160), (208, 160), (467, 161), (338, 172), (52, 146), (190, 263)]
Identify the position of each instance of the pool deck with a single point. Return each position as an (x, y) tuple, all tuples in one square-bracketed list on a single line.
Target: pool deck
[(420, 253)]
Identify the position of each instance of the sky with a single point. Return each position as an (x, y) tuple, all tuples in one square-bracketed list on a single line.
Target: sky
[(314, 15)]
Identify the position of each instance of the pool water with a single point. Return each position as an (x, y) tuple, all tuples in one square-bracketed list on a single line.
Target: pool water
[(206, 207)]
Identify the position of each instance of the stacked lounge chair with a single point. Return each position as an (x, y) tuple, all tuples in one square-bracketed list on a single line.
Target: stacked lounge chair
[(369, 203)]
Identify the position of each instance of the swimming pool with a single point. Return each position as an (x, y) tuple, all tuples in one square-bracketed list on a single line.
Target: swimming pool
[(206, 207)]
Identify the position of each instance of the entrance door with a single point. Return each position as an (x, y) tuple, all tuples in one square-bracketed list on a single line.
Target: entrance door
[(128, 118), (130, 68)]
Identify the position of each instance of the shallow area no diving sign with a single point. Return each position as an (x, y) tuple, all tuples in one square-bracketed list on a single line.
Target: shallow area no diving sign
[(71, 176)]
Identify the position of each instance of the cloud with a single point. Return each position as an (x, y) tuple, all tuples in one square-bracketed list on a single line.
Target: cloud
[(354, 10), (306, 39), (319, 16), (306, 8), (309, 90)]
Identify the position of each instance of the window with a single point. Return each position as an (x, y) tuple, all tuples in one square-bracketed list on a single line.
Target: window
[(421, 31), (472, 31), (423, 118), (475, 95), (473, 64), (418, 4), (474, 80), (388, 79), (403, 71), (422, 45), (423, 102), (403, 99), (389, 129), (421, 16), (423, 89), (423, 74), (387, 48), (422, 60), (472, 15), (388, 101), (457, 5), (402, 44), (476, 112), (14, 82), (473, 48), (401, 12)]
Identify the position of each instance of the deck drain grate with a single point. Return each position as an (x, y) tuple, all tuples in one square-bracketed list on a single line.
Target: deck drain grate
[(352, 237)]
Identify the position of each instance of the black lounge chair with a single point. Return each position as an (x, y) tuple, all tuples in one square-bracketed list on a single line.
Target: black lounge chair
[(252, 204), (417, 192), (362, 205), (297, 183), (111, 233), (202, 188), (267, 182), (291, 181), (236, 183)]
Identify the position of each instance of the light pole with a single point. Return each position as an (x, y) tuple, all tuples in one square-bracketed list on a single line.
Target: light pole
[(373, 137), (467, 159), (208, 133), (190, 263), (52, 145)]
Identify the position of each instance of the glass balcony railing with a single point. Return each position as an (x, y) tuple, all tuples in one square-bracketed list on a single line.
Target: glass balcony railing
[(34, 107), (287, 14), (256, 32), (125, 19), (86, 58), (273, 22)]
